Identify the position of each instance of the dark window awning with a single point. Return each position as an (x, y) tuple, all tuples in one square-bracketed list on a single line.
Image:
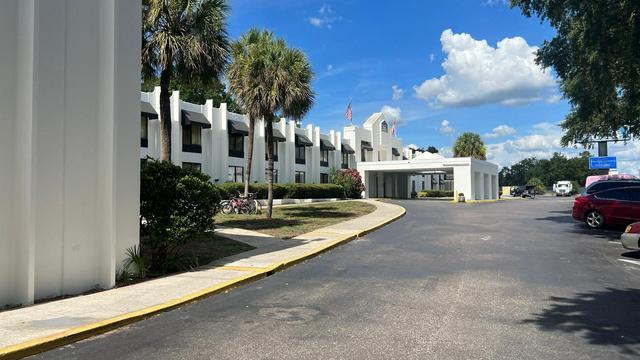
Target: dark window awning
[(347, 149), (326, 145), (195, 118), (238, 128), (147, 110), (405, 158), (302, 140), (278, 136), (366, 145), (395, 152)]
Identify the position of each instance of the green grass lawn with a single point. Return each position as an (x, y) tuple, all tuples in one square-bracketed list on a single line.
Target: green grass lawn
[(291, 221)]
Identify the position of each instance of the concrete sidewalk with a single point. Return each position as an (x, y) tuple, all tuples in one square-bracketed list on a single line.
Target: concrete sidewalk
[(37, 328)]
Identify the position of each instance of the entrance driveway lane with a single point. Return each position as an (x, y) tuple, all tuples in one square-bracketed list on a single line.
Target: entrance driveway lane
[(487, 281)]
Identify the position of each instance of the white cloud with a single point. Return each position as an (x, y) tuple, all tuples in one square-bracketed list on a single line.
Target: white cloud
[(398, 93), (496, 2), (391, 112), (554, 99), (544, 140), (432, 57), (329, 67), (500, 131), (477, 73), (325, 17), (445, 127)]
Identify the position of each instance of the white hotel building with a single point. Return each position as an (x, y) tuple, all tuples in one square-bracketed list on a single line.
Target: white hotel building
[(213, 140)]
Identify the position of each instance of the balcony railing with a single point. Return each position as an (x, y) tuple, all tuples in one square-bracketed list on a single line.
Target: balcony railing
[(192, 148)]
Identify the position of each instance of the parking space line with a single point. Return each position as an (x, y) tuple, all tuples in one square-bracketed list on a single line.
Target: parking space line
[(635, 262)]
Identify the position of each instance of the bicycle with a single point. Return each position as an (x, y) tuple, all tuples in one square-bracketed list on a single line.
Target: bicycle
[(241, 204)]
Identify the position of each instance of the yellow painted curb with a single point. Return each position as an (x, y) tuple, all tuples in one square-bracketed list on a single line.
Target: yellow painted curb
[(53, 341)]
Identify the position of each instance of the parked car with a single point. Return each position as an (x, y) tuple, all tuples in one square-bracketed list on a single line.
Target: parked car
[(617, 206), (517, 191), (593, 178), (609, 184), (563, 188), (631, 237)]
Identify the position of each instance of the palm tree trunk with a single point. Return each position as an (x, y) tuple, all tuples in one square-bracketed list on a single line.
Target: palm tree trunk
[(247, 172), (269, 167), (165, 115)]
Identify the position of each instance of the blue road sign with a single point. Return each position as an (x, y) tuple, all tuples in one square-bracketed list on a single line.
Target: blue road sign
[(603, 162)]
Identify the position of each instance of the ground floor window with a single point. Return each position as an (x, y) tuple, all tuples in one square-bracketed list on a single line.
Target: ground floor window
[(191, 166), (275, 175), (300, 177), (236, 174), (363, 155), (324, 178), (345, 160)]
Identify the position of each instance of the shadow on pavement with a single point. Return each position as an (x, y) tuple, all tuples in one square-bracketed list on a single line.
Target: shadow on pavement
[(609, 317)]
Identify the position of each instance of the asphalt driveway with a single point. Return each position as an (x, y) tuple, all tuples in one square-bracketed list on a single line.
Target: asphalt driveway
[(511, 280)]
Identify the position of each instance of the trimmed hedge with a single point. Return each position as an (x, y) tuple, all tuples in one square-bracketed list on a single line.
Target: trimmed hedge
[(435, 193), (285, 191)]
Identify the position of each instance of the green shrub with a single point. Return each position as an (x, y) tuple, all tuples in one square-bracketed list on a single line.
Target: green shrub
[(435, 193), (284, 191), (176, 205), (575, 187)]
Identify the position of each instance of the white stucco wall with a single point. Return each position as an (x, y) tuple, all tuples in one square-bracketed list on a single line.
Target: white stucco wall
[(68, 90)]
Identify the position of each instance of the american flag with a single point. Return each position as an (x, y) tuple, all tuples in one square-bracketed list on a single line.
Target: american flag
[(394, 127), (349, 113)]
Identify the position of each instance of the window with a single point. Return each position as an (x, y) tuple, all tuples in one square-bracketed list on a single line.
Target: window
[(384, 126), (300, 178), (191, 166), (236, 145), (413, 186), (345, 160), (301, 155), (191, 138), (324, 178), (275, 151), (236, 174), (324, 157), (144, 131), (634, 194), (363, 155), (423, 185), (275, 175), (615, 194)]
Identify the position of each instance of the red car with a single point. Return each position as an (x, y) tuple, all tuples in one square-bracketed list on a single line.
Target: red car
[(619, 206)]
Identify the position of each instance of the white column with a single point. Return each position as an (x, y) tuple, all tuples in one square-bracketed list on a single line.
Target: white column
[(176, 129)]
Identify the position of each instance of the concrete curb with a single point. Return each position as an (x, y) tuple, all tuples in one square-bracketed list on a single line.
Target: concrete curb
[(83, 332)]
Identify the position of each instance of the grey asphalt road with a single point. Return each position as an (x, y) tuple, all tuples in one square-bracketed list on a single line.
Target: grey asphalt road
[(508, 280)]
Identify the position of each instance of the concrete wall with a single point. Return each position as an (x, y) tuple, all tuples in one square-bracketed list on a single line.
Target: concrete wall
[(69, 199)]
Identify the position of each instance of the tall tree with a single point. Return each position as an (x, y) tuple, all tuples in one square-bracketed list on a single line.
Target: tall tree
[(186, 39), (470, 145), (268, 78), (596, 54)]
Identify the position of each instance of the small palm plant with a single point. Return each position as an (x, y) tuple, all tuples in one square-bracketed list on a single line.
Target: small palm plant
[(470, 145), (134, 262)]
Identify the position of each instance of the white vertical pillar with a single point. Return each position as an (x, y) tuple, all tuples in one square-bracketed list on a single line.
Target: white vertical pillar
[(176, 129)]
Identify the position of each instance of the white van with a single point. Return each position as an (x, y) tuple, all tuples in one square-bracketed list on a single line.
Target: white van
[(563, 188)]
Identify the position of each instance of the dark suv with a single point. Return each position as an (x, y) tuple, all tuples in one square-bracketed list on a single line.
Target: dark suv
[(608, 184)]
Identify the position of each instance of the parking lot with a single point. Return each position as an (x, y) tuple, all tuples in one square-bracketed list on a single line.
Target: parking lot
[(517, 279)]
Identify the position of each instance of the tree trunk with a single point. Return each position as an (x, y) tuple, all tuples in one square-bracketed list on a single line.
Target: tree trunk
[(269, 167), (165, 116), (247, 171)]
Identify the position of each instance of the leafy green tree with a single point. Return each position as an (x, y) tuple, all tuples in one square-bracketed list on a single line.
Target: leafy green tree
[(176, 205), (470, 145), (549, 171), (268, 78), (538, 185), (185, 39), (596, 55)]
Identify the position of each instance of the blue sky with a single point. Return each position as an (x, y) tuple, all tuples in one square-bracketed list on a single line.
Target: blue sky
[(456, 66)]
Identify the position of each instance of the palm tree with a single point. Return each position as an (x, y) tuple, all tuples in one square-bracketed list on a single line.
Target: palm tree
[(470, 145), (268, 78), (186, 39)]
